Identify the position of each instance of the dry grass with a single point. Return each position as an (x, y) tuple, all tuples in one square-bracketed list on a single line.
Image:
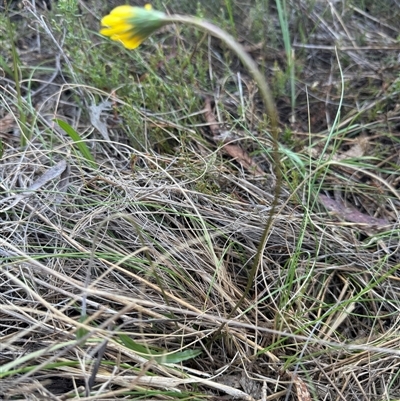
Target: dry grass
[(157, 240)]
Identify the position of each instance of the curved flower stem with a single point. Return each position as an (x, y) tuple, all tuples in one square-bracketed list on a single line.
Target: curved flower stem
[(250, 64)]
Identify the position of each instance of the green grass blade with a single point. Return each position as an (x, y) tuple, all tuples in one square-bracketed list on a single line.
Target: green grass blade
[(9, 368), (81, 332), (157, 355), (5, 67), (78, 141)]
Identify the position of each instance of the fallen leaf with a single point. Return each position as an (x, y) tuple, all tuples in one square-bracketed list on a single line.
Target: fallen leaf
[(356, 151), (7, 123), (301, 389), (95, 118), (48, 175), (351, 214), (233, 150)]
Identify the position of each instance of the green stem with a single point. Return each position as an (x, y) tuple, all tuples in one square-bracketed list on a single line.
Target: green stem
[(17, 79), (272, 114)]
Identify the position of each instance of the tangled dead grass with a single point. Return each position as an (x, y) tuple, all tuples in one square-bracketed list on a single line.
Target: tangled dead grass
[(154, 258), (159, 248)]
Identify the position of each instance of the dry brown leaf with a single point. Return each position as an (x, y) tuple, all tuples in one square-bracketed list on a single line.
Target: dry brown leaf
[(7, 123), (301, 389), (233, 150), (243, 158), (356, 151), (351, 214)]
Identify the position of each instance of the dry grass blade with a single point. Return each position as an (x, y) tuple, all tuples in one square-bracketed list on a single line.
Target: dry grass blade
[(168, 220)]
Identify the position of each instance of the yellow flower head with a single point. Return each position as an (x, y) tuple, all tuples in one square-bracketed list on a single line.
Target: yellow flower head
[(132, 25)]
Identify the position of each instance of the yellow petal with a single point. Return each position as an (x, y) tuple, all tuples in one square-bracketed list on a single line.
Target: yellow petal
[(132, 25), (130, 42), (110, 20), (121, 28), (123, 11)]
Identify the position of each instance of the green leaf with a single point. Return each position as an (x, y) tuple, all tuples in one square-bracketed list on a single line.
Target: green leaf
[(160, 356), (180, 356), (78, 141), (293, 156), (5, 67), (81, 332)]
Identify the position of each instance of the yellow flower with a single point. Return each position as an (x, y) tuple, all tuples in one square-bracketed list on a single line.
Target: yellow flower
[(132, 25)]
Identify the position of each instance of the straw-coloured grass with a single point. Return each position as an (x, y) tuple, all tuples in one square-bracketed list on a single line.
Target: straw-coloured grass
[(125, 260)]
